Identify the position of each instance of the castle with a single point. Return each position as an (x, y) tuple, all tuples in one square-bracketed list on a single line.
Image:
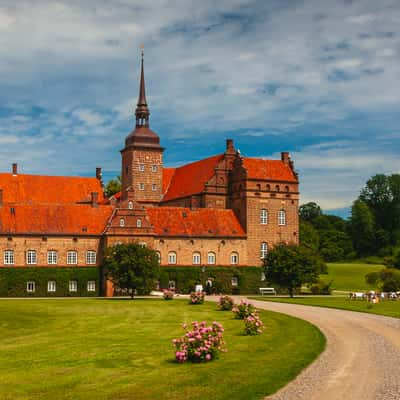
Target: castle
[(226, 210)]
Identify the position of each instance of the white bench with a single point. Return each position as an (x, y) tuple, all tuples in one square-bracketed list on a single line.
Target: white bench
[(267, 290)]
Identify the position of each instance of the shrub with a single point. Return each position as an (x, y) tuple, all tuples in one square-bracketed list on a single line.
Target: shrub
[(225, 303), (243, 310), (196, 298), (168, 294), (253, 324), (203, 343), (321, 287)]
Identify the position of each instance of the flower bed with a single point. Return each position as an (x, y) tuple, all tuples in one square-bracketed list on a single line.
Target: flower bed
[(243, 309), (168, 294), (253, 324), (203, 343), (196, 298), (225, 303)]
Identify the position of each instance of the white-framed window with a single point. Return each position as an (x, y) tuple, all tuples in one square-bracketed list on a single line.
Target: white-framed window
[(211, 257), (138, 223), (141, 186), (130, 205), (73, 286), (171, 257), (263, 216), (153, 187), (30, 286), (91, 286), (51, 286), (9, 257), (196, 258), (121, 222), (31, 257), (281, 217), (72, 257), (171, 285), (141, 167), (91, 257), (263, 250), (234, 258), (142, 244), (159, 257), (52, 257), (154, 168), (235, 281)]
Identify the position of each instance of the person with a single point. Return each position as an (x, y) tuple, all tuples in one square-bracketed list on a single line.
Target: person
[(209, 286)]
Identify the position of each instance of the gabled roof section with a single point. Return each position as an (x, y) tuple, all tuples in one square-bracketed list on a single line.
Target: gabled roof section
[(203, 222), (274, 170), (35, 189), (168, 173), (65, 219), (191, 178)]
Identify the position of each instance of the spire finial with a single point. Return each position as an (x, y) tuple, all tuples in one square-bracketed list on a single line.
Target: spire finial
[(142, 112)]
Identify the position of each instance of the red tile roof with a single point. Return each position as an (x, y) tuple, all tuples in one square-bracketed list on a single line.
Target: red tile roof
[(34, 189), (275, 170), (203, 222), (168, 173), (191, 178), (76, 219)]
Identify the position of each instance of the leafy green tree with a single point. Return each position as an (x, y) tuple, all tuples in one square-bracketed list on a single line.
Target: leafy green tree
[(132, 267), (335, 245), (113, 186), (309, 236), (362, 228), (291, 266), (388, 280), (309, 211)]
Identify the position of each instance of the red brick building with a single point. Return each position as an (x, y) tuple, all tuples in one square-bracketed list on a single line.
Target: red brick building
[(225, 210)]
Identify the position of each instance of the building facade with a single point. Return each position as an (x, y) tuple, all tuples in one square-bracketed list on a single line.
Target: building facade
[(226, 210)]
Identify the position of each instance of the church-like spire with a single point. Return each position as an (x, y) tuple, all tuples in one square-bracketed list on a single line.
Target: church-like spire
[(142, 111)]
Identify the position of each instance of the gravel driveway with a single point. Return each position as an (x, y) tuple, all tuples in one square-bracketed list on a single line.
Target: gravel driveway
[(361, 360)]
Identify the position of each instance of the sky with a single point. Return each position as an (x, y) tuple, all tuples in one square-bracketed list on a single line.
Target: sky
[(317, 78)]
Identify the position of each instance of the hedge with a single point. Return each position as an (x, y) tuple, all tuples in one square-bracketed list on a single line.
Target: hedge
[(13, 281), (185, 278)]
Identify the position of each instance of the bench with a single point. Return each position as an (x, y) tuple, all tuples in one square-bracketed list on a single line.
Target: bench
[(267, 290)]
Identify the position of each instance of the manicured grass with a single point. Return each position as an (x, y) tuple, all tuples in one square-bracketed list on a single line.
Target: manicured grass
[(120, 349), (348, 276), (388, 307)]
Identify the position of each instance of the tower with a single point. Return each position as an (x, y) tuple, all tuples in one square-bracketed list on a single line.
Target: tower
[(142, 156)]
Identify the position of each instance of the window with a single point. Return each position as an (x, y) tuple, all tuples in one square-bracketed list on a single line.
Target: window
[(153, 187), (52, 257), (72, 257), (268, 187), (171, 285), (287, 188), (263, 250), (141, 167), (31, 257), (73, 286), (91, 257), (142, 245), (211, 258), (51, 286), (159, 257), (9, 257), (234, 258), (171, 257), (30, 287), (130, 205), (263, 217), (138, 223), (141, 186), (235, 281), (282, 217), (121, 222), (91, 286), (277, 188), (154, 168), (196, 258)]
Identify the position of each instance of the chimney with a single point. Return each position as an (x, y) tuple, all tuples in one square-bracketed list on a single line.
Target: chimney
[(1, 197), (15, 168), (99, 175), (95, 199), (285, 157)]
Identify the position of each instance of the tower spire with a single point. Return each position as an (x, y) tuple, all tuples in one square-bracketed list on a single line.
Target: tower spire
[(142, 111)]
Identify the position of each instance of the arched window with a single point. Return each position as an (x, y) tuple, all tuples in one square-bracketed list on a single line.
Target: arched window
[(139, 223), (258, 187), (142, 244), (9, 257), (287, 188), (281, 217), (52, 257), (263, 250), (263, 216), (234, 258), (171, 257), (277, 188), (121, 222), (159, 257), (268, 187), (31, 257), (196, 258), (211, 258), (130, 205)]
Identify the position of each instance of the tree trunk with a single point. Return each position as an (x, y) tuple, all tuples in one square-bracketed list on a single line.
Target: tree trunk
[(291, 292)]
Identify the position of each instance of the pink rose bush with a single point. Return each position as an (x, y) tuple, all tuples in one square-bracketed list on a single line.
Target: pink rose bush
[(196, 298), (225, 303), (243, 310), (253, 324), (202, 343), (168, 294)]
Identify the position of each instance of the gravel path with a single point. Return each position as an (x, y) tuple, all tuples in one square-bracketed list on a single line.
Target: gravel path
[(361, 360)]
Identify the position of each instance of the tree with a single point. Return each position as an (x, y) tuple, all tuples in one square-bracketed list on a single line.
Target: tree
[(362, 228), (291, 266), (309, 211), (309, 236), (113, 186), (388, 280), (132, 267)]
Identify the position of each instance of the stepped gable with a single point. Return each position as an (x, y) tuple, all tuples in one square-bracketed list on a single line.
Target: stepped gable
[(63, 219), (191, 178), (202, 222), (274, 170), (35, 189)]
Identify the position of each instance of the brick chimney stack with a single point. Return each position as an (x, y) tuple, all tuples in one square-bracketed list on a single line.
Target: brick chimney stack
[(95, 199), (1, 197), (15, 168), (99, 174), (285, 157)]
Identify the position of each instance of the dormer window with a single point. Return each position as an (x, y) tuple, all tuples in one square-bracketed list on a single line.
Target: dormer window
[(141, 167)]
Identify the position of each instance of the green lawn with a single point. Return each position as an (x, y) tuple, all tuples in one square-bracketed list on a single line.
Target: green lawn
[(388, 308), (349, 277), (120, 349)]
